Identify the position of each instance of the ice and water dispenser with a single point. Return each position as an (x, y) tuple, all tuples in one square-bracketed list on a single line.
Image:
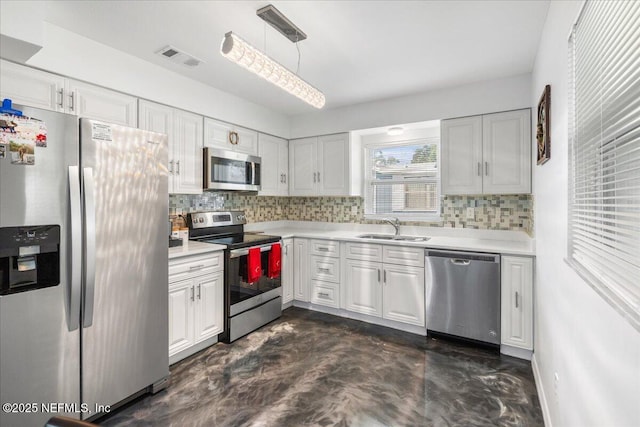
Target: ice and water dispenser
[(29, 258)]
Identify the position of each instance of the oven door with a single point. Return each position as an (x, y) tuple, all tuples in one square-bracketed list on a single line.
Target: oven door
[(242, 294), (228, 170)]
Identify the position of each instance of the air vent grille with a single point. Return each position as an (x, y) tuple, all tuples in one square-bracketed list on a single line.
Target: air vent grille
[(277, 20), (179, 57)]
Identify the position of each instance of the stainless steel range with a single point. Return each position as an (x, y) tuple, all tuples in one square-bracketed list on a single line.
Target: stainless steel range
[(252, 292)]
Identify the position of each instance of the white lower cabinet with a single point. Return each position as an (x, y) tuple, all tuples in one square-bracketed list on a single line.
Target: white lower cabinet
[(287, 271), (383, 289), (196, 303), (301, 277), (517, 302), (403, 294), (363, 289)]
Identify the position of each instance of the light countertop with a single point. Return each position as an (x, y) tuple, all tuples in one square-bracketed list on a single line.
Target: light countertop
[(502, 242), (193, 248)]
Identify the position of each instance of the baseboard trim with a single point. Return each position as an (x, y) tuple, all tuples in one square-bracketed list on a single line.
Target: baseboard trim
[(192, 350), (520, 353), (362, 317), (544, 405)]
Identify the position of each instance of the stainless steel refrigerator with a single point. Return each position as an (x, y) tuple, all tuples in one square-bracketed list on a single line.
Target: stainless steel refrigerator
[(83, 270)]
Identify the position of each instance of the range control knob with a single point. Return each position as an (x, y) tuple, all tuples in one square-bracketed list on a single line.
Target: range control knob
[(200, 220), (240, 217)]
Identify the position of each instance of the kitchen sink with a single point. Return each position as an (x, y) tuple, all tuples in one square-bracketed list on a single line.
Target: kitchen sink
[(392, 237)]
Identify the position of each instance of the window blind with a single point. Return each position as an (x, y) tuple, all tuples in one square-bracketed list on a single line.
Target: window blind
[(403, 180), (604, 122)]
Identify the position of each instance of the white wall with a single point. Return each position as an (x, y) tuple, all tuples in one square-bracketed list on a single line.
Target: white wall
[(594, 351), (72, 55), (478, 98)]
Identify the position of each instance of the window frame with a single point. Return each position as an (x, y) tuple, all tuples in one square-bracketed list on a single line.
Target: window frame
[(368, 182), (623, 299)]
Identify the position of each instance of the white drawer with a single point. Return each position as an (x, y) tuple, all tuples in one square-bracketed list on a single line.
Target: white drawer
[(325, 268), (196, 265), (324, 293), (325, 248), (403, 256), (364, 251)]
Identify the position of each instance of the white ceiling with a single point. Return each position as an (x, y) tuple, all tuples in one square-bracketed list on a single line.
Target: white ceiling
[(356, 51)]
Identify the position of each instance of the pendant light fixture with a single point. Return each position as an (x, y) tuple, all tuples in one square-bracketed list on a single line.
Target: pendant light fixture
[(242, 53)]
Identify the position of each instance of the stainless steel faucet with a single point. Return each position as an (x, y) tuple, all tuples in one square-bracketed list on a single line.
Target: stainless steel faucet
[(396, 224)]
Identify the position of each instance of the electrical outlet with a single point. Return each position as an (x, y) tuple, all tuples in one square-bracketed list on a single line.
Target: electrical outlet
[(471, 213)]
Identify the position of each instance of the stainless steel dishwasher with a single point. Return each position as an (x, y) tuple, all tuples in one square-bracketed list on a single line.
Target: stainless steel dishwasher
[(463, 294)]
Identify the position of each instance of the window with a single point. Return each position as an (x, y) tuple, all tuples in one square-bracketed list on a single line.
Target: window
[(604, 193), (403, 180)]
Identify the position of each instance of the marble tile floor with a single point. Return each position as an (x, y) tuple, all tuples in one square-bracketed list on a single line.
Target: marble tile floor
[(313, 369)]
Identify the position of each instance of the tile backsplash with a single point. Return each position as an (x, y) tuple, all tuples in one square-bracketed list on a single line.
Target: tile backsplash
[(503, 212)]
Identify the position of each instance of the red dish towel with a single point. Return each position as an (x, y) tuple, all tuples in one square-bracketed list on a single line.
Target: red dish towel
[(275, 261), (254, 268)]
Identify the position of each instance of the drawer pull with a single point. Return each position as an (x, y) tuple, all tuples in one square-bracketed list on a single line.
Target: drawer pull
[(323, 294), (196, 267), (323, 249), (324, 270)]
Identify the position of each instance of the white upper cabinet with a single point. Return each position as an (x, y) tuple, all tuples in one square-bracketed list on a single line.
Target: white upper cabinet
[(461, 155), (39, 89), (230, 137), (184, 131), (94, 102), (33, 88), (187, 133), (489, 154), (319, 166), (506, 151), (274, 169), (302, 161)]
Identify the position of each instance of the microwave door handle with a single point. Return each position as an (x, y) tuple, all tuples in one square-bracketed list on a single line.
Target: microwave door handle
[(75, 290), (90, 247), (253, 173)]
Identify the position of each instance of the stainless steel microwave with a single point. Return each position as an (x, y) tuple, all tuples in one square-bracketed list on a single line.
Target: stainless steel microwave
[(228, 170)]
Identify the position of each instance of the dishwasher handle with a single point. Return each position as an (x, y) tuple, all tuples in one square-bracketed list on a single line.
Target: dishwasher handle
[(463, 258)]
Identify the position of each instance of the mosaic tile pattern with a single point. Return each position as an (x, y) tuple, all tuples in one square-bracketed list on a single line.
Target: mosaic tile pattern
[(504, 212)]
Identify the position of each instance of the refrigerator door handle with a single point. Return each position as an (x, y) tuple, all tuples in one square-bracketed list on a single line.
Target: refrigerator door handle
[(90, 247), (75, 290)]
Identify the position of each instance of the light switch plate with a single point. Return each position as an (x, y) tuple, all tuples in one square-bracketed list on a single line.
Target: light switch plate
[(471, 213)]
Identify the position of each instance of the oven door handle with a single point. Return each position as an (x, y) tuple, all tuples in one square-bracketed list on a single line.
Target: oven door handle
[(236, 253)]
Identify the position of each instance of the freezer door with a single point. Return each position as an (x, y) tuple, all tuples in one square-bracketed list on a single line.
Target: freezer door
[(125, 311), (39, 340)]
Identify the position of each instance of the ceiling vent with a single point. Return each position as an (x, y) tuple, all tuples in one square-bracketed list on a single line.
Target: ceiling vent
[(179, 57), (277, 20)]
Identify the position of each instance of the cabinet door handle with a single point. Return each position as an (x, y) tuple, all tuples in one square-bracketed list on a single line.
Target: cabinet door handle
[(516, 299), (286, 250), (285, 177), (486, 168), (71, 104), (192, 294), (61, 93), (385, 276), (479, 169), (378, 275), (314, 177), (318, 176), (199, 290), (177, 167), (171, 167)]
